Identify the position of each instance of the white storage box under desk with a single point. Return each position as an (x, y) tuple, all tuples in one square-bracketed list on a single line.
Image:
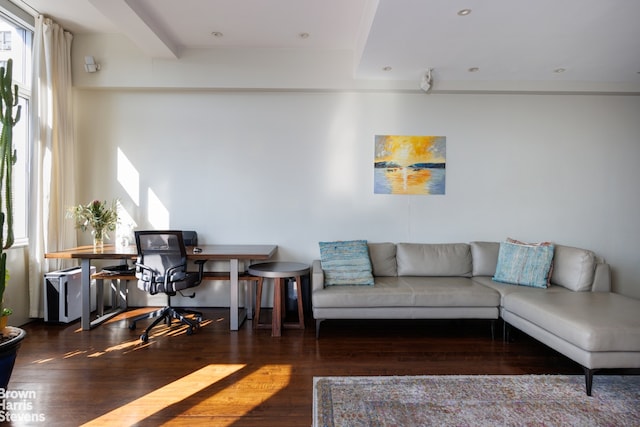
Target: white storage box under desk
[(63, 295)]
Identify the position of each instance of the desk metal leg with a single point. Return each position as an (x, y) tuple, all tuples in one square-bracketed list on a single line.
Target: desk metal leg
[(250, 295), (118, 289), (85, 278), (233, 305), (100, 296), (249, 298), (123, 293), (118, 297)]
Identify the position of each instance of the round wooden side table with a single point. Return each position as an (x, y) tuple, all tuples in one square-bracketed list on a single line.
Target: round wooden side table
[(279, 271)]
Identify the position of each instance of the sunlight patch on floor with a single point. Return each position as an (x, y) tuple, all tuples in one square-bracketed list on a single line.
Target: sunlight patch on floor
[(160, 399), (133, 344), (231, 404)]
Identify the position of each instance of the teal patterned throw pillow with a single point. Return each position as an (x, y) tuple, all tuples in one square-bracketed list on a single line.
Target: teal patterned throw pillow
[(346, 263), (522, 264)]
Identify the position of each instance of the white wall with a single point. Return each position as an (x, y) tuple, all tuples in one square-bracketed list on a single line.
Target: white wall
[(293, 168)]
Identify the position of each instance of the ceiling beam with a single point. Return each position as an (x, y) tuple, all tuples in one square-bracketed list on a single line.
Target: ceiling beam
[(134, 22)]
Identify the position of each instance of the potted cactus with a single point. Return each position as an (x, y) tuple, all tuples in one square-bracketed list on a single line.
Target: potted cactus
[(10, 337)]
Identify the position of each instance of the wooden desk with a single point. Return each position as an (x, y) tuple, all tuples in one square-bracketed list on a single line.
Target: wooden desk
[(231, 253)]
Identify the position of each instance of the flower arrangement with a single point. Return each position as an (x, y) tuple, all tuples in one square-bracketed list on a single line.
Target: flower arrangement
[(97, 215)]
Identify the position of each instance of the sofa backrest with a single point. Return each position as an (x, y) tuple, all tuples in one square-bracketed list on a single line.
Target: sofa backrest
[(485, 258), (573, 268), (383, 259), (433, 259)]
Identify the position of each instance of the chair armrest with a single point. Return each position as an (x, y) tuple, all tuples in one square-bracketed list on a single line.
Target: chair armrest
[(200, 263), (140, 269), (317, 276)]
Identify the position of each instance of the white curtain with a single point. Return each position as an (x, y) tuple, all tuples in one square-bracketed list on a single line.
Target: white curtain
[(53, 187)]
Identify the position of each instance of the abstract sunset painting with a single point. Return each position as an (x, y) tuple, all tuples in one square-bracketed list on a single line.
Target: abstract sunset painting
[(410, 164)]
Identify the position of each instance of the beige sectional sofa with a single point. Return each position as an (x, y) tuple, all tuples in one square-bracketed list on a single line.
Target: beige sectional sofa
[(577, 314)]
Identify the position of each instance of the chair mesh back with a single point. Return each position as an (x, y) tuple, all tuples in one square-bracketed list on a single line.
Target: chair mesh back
[(162, 262)]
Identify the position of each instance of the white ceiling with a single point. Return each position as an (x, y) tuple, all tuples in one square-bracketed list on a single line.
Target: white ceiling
[(596, 42)]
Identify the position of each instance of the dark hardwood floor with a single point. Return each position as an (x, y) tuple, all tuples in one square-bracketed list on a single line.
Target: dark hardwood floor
[(216, 377)]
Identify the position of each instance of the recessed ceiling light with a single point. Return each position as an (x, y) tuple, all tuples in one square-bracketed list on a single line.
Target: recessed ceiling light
[(216, 34), (303, 35), (464, 12), (559, 70), (387, 68), (473, 69)]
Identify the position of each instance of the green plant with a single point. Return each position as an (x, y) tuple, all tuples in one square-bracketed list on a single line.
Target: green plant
[(96, 215), (8, 100)]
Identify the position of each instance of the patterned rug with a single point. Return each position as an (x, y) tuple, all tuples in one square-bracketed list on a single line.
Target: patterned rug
[(481, 400)]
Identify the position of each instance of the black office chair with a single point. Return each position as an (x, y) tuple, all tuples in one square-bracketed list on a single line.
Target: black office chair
[(161, 267)]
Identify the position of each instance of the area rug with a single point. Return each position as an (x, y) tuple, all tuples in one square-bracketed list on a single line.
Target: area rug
[(476, 400)]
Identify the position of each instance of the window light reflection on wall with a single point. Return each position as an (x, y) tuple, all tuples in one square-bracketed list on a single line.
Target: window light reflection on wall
[(157, 213), (128, 177)]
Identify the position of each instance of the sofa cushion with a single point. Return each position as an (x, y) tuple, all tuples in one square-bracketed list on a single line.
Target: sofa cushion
[(526, 265), (437, 259), (410, 292), (346, 263), (383, 259), (505, 289), (485, 258), (573, 268)]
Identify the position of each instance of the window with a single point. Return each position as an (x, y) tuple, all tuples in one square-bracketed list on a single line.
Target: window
[(5, 40), (15, 42)]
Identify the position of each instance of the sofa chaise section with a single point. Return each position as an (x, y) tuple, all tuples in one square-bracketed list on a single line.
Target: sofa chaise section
[(598, 330), (577, 315)]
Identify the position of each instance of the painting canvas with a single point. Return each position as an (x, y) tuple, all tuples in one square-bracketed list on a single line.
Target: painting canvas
[(410, 164)]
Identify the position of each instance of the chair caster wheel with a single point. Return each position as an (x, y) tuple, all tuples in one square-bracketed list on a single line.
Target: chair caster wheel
[(132, 326), (144, 337), (190, 331)]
